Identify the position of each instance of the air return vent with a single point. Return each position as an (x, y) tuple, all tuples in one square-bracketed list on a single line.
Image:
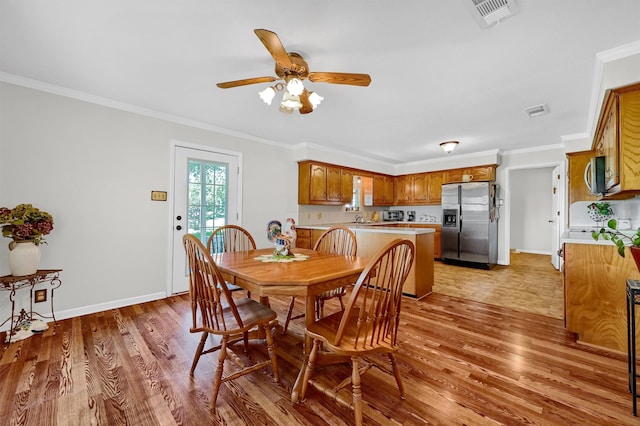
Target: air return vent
[(536, 110), (490, 12)]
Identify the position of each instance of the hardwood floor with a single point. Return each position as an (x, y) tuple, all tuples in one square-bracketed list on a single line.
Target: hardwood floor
[(462, 362), (529, 284)]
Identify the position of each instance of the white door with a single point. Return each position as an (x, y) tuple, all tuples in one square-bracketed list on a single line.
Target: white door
[(556, 194), (206, 188)]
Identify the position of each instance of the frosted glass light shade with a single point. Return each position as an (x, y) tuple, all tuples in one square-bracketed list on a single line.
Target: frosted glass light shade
[(295, 87), (267, 95), (449, 146), (315, 99)]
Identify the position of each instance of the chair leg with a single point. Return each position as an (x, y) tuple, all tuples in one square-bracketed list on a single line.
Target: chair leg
[(396, 374), (271, 349), (341, 302), (309, 370), (356, 390), (218, 374), (196, 357), (289, 314)]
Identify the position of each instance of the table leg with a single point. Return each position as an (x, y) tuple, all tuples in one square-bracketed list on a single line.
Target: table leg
[(310, 314)]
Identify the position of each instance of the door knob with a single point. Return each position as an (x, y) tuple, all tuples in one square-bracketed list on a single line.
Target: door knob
[(178, 217), (178, 227)]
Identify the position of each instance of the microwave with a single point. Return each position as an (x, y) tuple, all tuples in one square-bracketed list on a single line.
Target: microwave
[(595, 175), (392, 215)]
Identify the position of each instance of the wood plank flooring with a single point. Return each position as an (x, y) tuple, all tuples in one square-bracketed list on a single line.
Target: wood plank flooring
[(529, 284), (462, 361)]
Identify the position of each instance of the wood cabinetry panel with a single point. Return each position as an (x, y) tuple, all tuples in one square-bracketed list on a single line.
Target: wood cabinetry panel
[(578, 190), (630, 140), (382, 190), (595, 293), (617, 137), (478, 174), (320, 183)]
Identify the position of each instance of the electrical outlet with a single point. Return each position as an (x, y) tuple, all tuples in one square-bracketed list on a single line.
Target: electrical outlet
[(40, 296), (319, 215)]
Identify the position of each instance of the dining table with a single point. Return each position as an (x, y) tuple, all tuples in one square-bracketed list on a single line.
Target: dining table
[(306, 274)]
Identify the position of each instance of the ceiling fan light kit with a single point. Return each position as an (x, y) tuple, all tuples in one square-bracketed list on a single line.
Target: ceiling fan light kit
[(292, 68)]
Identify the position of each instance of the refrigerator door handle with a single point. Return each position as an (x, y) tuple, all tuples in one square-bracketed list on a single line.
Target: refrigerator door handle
[(459, 219)]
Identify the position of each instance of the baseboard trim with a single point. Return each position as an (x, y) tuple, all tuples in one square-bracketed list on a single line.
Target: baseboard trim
[(92, 309)]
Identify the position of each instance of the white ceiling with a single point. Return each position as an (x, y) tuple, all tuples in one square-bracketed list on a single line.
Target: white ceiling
[(436, 75)]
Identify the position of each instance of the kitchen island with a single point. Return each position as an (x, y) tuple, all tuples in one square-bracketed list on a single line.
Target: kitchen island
[(372, 237), (595, 290)]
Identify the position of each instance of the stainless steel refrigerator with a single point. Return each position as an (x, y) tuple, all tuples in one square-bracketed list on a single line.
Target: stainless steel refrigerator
[(470, 224)]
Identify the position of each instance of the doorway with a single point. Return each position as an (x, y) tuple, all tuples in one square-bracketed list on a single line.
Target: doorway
[(535, 213), (206, 195)]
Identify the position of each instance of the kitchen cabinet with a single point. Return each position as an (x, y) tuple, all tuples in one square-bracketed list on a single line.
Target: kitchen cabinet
[(382, 190), (419, 283), (437, 235), (617, 137), (418, 189), (303, 238), (434, 183), (578, 190), (306, 238), (320, 183), (595, 293), (476, 174)]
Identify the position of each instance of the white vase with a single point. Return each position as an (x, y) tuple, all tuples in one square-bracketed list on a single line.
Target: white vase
[(24, 258)]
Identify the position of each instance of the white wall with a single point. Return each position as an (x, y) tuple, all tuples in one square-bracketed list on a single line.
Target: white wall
[(93, 168)]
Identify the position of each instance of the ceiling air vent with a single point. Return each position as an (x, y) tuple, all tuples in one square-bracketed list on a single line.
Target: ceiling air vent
[(536, 110), (490, 12)]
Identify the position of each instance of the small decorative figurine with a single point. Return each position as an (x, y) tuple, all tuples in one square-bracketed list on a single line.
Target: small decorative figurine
[(283, 240)]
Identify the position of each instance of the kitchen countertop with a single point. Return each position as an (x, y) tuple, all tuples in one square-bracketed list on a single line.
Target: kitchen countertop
[(583, 236), (380, 227)]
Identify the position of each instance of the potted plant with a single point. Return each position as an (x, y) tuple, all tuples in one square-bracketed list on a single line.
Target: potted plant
[(621, 240), (26, 226), (599, 212)]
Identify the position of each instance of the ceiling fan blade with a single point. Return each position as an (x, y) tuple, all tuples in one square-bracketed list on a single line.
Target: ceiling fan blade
[(246, 81), (273, 44), (306, 104), (340, 78)]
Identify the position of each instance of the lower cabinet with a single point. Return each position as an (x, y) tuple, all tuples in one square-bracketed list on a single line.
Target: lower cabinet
[(437, 235), (595, 293)]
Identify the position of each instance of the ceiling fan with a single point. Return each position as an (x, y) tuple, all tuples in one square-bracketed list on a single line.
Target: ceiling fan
[(293, 69)]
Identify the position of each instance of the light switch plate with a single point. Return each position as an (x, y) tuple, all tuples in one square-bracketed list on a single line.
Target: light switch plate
[(158, 195)]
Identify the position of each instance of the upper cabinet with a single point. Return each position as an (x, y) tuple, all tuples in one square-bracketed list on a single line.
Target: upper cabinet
[(617, 137), (418, 189), (382, 190), (471, 174), (329, 184), (320, 183), (578, 189)]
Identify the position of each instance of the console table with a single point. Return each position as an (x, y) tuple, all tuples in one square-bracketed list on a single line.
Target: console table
[(633, 299), (11, 284)]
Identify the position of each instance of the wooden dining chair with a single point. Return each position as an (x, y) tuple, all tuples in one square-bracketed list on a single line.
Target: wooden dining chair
[(214, 311), (230, 238), (368, 324), (337, 240)]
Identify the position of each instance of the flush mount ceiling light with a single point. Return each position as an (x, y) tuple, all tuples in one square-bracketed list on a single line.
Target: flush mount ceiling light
[(537, 110), (293, 69), (449, 146)]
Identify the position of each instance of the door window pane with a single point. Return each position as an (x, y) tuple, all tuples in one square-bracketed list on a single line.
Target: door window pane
[(208, 196)]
